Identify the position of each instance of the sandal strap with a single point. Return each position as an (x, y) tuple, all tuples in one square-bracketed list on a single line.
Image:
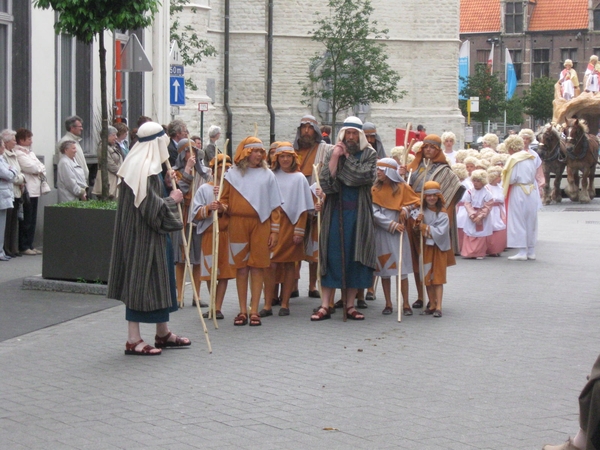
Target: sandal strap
[(164, 339)]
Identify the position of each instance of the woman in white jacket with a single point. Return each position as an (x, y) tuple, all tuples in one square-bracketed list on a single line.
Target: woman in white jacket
[(11, 233), (34, 172), (7, 174)]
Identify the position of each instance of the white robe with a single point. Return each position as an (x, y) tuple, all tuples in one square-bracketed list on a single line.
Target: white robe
[(497, 213), (522, 206), (478, 198), (462, 217)]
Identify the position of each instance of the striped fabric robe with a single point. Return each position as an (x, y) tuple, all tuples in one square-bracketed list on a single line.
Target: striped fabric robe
[(350, 172), (138, 274)]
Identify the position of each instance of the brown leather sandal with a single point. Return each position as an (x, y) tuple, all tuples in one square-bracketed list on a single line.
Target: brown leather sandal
[(320, 314), (163, 342), (353, 314), (255, 320), (145, 351), (240, 320)]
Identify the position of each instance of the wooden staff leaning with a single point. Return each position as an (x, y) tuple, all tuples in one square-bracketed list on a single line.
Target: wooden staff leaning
[(421, 262), (189, 222), (189, 266), (215, 242), (316, 168)]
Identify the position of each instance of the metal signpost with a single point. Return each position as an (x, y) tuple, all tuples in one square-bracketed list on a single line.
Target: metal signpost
[(202, 107), (176, 80)]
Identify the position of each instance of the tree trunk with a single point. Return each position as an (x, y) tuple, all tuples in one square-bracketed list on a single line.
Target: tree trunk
[(104, 132)]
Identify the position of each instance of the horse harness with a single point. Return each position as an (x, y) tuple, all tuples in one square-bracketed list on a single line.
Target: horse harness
[(555, 153), (586, 146)]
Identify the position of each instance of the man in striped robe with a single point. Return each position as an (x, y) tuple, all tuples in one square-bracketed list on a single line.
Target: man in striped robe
[(347, 246)]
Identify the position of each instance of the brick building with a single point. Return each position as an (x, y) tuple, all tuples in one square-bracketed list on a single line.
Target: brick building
[(539, 34)]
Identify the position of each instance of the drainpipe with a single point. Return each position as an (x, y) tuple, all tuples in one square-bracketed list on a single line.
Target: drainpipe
[(229, 133), (270, 71)]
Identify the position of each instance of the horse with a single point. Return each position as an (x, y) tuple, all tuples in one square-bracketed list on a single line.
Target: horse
[(582, 155), (552, 151)]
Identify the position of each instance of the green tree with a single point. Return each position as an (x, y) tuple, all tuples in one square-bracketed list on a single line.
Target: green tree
[(354, 68), (490, 91), (514, 110), (87, 20), (191, 47), (538, 99)]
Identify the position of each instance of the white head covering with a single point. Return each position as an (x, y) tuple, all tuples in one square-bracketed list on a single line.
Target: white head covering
[(390, 167), (145, 159), (356, 123)]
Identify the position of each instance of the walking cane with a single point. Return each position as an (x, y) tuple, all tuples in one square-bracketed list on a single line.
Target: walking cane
[(316, 168), (215, 245), (187, 262)]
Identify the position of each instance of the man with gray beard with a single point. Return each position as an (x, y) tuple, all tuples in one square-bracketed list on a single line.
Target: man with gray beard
[(347, 246)]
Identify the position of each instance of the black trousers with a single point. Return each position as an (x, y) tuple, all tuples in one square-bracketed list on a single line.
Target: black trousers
[(27, 225)]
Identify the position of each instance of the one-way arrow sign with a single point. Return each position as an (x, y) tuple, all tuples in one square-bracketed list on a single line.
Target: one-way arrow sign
[(177, 90)]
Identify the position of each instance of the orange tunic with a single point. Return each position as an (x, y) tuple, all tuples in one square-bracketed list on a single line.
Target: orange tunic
[(224, 271), (286, 250)]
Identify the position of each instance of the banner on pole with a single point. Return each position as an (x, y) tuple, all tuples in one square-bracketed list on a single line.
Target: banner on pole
[(463, 66), (511, 77)]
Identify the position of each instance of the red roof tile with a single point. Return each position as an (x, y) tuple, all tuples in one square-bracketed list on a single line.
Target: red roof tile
[(559, 15), (480, 16)]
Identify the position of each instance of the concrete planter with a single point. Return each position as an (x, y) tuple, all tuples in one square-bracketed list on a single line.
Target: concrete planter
[(77, 243)]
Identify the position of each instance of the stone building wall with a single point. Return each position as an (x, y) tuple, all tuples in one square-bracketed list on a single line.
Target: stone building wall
[(422, 47)]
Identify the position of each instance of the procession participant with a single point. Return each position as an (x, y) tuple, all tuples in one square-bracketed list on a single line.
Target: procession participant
[(251, 198), (438, 170), (461, 213), (437, 251), (374, 139), (214, 134), (203, 206), (591, 83), (461, 155), (478, 203), (569, 83), (294, 212), (311, 149), (490, 140), (518, 182), (141, 267), (588, 436), (325, 133), (470, 164), (590, 69), (448, 140), (189, 172), (393, 200), (496, 243), (540, 181), (347, 247)]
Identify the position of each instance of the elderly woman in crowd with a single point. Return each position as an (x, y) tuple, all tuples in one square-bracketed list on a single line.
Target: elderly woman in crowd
[(70, 176), (11, 234), (114, 159), (35, 175), (122, 135), (7, 175)]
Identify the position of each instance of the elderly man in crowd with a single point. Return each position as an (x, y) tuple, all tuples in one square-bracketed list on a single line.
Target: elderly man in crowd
[(347, 246), (374, 139), (214, 134), (70, 178), (177, 130), (74, 127)]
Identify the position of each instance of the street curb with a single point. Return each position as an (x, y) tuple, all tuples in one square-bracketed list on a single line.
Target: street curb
[(41, 284)]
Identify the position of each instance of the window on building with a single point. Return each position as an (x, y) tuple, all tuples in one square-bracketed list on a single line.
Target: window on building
[(513, 17), (6, 26), (597, 19), (482, 57), (65, 85), (568, 53), (541, 63), (517, 59)]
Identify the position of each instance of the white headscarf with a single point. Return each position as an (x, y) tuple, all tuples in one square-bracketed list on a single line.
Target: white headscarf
[(390, 167), (356, 123), (145, 159)]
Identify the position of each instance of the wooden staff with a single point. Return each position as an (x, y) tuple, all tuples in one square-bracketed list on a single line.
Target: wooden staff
[(316, 168), (408, 127), (421, 262), (187, 262), (215, 244), (399, 296), (189, 222)]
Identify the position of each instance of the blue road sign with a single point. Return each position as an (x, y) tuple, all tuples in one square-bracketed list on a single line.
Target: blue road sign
[(177, 70), (177, 90)]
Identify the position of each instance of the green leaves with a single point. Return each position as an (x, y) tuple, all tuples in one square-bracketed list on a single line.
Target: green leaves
[(490, 91), (354, 69), (538, 99)]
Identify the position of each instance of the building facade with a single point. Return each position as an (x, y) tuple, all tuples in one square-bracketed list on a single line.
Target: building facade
[(237, 83)]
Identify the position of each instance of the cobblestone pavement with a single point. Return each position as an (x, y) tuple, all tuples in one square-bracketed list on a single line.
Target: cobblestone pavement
[(501, 370)]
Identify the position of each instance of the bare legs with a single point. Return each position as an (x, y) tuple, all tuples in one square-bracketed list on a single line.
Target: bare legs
[(256, 285)]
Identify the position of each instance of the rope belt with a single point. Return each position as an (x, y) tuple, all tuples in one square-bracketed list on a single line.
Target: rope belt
[(527, 188)]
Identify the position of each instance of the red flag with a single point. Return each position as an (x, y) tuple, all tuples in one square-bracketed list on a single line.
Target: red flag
[(490, 61)]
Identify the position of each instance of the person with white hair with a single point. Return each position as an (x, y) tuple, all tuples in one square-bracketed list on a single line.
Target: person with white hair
[(393, 200), (530, 144), (214, 134), (142, 272), (591, 67), (347, 244), (569, 83), (478, 203), (448, 141), (522, 201), (496, 243), (114, 159), (490, 140)]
